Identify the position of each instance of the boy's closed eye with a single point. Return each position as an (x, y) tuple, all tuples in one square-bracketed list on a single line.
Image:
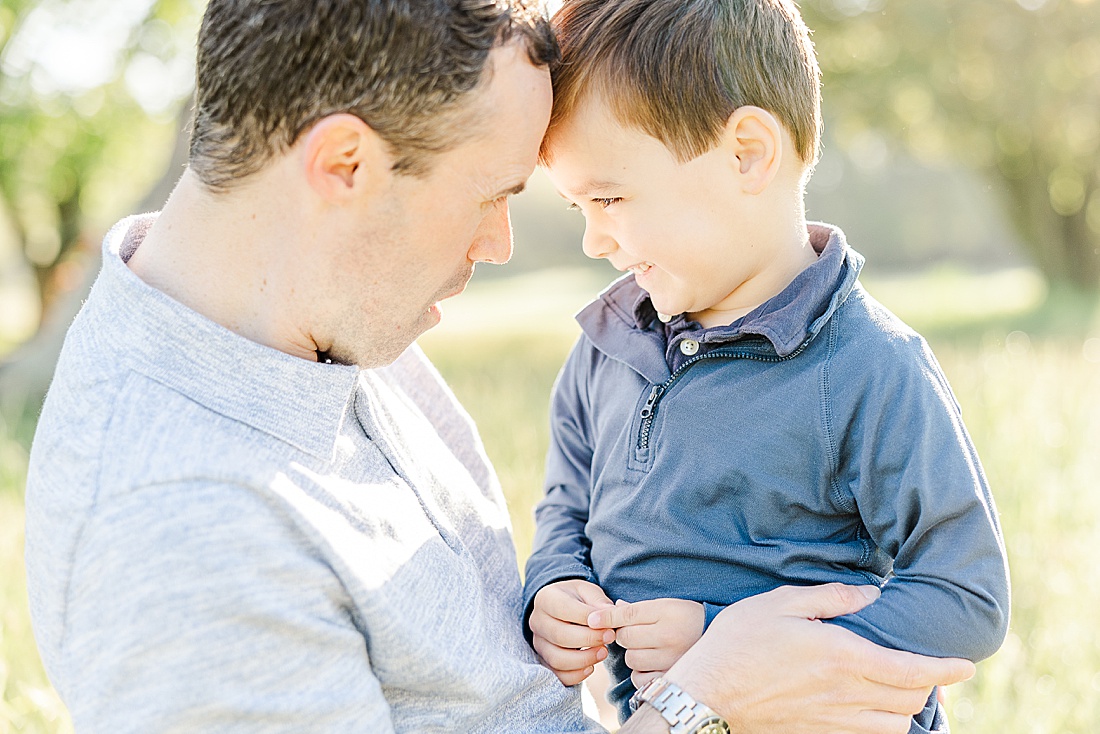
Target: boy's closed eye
[(602, 202)]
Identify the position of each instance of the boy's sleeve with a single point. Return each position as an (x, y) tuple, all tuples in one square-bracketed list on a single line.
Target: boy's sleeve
[(906, 461), (199, 607), (561, 548)]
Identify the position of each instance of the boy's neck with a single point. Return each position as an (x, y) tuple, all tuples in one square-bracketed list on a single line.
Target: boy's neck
[(789, 252)]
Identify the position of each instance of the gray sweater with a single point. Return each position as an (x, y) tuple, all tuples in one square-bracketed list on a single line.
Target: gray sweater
[(225, 538)]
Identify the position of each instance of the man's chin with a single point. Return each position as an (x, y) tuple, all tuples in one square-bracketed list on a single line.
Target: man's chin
[(374, 355)]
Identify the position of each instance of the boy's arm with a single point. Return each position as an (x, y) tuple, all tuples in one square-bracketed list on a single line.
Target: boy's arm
[(907, 462), (561, 548)]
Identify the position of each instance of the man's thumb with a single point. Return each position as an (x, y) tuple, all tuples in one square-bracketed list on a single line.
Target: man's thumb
[(827, 600)]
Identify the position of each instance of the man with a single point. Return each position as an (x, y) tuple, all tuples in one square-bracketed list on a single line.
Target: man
[(253, 506)]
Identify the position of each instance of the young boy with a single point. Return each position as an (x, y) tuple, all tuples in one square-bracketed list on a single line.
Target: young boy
[(739, 414)]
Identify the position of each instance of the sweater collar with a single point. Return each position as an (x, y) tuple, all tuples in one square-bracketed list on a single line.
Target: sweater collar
[(787, 320)]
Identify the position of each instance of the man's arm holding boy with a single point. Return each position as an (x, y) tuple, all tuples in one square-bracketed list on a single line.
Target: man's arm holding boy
[(766, 665)]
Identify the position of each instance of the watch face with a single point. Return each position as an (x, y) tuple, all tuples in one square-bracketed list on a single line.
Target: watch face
[(713, 727)]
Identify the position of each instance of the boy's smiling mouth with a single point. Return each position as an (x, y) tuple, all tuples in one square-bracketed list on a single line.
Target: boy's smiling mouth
[(639, 268)]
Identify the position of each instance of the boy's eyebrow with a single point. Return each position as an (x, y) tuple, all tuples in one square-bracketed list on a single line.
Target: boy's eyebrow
[(597, 185)]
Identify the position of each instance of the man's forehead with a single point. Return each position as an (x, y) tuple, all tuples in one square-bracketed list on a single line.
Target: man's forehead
[(510, 114)]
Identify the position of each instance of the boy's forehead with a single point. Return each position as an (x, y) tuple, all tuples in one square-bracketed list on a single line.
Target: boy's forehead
[(578, 176), (593, 150), (591, 129)]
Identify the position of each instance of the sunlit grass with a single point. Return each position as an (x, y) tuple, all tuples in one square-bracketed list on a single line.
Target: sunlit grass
[(28, 703), (1026, 372), (1034, 411), (948, 297)]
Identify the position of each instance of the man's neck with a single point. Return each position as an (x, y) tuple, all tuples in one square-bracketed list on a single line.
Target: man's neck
[(220, 255)]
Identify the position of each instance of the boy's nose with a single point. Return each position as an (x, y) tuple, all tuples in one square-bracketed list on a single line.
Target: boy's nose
[(596, 243)]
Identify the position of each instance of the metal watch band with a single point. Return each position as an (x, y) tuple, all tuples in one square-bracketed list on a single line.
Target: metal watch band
[(683, 713)]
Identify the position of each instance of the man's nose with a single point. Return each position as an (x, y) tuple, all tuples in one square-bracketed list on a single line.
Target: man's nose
[(596, 243), (493, 239)]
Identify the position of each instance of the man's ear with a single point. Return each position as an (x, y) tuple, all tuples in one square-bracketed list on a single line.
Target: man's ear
[(755, 140), (343, 157)]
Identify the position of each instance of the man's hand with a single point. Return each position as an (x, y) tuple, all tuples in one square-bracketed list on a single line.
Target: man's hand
[(768, 665), (559, 626), (655, 633)]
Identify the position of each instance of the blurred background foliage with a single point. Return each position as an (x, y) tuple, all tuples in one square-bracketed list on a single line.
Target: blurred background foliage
[(956, 131), (1009, 89), (961, 156), (91, 95)]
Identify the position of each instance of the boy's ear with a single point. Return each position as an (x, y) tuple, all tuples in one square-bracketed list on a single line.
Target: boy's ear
[(343, 158), (755, 139)]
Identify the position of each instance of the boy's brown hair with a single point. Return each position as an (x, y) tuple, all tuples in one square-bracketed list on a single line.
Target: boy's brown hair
[(677, 69)]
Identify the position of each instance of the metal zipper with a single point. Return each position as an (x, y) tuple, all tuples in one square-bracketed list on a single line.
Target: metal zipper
[(649, 410)]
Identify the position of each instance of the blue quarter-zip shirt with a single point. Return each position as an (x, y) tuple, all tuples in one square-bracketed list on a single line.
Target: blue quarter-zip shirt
[(814, 440)]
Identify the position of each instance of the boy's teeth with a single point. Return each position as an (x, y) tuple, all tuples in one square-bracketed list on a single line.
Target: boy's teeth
[(642, 267)]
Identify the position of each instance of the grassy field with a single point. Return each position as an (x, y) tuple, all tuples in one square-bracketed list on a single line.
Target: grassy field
[(1025, 366)]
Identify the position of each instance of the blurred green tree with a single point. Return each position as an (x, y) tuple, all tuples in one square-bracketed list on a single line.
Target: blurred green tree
[(91, 93), (1010, 88), (83, 83)]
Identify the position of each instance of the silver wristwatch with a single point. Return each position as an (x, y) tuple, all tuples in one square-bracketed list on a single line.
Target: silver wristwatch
[(683, 713)]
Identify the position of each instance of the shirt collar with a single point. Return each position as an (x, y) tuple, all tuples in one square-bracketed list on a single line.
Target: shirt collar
[(788, 319), (297, 401)]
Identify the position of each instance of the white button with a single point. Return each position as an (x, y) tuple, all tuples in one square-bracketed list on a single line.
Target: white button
[(689, 347)]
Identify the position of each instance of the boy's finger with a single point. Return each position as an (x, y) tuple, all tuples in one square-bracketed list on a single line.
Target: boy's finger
[(620, 615), (564, 659), (573, 677), (647, 660), (593, 596), (562, 605), (640, 679), (623, 614), (567, 634), (638, 636)]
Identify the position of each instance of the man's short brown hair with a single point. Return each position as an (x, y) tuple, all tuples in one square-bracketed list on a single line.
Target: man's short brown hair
[(677, 69), (269, 69)]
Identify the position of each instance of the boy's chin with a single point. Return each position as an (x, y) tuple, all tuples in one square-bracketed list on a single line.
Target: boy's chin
[(665, 310)]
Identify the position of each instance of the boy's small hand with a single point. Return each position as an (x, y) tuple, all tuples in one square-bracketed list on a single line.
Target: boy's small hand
[(655, 633), (560, 632)]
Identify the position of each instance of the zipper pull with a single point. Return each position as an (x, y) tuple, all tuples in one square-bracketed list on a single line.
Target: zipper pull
[(654, 396)]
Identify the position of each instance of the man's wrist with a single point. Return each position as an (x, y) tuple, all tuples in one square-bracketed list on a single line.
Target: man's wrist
[(648, 721), (680, 710), (645, 721)]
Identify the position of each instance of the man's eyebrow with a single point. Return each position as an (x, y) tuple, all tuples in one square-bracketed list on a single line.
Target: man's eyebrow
[(517, 189)]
